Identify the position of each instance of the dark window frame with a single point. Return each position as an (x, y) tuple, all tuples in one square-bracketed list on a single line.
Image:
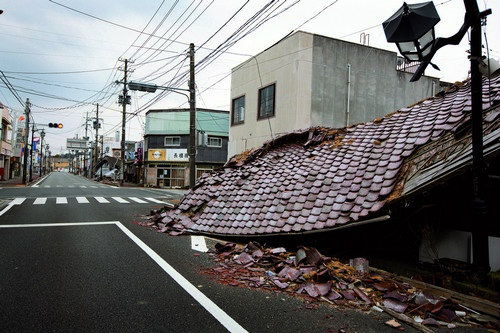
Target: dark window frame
[(171, 137), (214, 146), (233, 110), (259, 116)]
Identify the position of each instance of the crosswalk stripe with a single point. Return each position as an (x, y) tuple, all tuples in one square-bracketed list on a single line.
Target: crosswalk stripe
[(101, 200), (59, 186), (40, 201), (137, 200), (93, 186), (120, 200), (61, 200), (47, 186), (17, 201), (71, 186), (154, 200), (83, 186), (35, 185), (82, 200)]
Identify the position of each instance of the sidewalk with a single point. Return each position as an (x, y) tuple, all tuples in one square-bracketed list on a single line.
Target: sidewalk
[(18, 181)]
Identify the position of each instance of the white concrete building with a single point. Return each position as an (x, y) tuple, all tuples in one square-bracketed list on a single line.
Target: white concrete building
[(309, 80)]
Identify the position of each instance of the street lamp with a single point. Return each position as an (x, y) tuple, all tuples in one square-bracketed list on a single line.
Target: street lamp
[(146, 87), (412, 29)]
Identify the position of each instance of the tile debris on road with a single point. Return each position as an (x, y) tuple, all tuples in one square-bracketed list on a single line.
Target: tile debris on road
[(316, 278)]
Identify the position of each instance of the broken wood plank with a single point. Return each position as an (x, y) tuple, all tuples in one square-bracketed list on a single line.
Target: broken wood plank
[(476, 303), (407, 320)]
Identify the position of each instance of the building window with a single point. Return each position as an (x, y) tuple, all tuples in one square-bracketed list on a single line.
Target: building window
[(170, 176), (266, 102), (172, 141), (238, 111), (214, 142)]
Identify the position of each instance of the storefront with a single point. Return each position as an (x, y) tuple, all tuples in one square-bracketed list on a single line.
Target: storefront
[(170, 168)]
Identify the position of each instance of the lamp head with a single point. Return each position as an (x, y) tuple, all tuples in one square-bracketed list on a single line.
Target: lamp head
[(412, 29)]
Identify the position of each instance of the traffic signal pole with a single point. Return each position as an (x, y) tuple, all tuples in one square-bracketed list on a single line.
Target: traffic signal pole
[(192, 119)]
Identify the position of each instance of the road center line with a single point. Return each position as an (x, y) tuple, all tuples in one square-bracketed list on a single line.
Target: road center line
[(229, 323)]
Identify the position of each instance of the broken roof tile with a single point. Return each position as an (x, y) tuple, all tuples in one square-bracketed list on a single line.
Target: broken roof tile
[(321, 178)]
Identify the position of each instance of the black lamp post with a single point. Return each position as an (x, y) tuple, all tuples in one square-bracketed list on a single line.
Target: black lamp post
[(412, 29)]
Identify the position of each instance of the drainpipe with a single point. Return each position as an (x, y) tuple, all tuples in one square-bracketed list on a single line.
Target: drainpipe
[(433, 88), (348, 94)]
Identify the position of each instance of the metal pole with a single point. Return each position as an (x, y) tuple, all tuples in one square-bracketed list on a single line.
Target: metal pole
[(122, 169), (102, 150), (192, 119), (26, 136), (480, 235), (41, 152)]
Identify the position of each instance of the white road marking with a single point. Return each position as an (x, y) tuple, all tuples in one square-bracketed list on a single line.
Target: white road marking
[(229, 323), (120, 200), (101, 200), (83, 186), (34, 186), (61, 200), (59, 186), (93, 186), (40, 201), (16, 201), (46, 186), (71, 186), (82, 200), (198, 244), (161, 202), (137, 200)]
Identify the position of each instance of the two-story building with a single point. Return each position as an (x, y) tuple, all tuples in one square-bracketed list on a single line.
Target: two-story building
[(309, 80), (5, 143), (166, 142)]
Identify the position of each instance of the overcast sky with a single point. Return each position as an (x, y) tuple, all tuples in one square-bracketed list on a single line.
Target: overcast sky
[(65, 61)]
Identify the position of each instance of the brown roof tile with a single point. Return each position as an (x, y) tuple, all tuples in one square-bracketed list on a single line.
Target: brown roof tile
[(322, 178)]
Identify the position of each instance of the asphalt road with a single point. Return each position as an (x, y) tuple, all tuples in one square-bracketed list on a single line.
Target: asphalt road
[(69, 264)]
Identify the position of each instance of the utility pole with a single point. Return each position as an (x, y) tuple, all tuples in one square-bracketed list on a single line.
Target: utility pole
[(96, 127), (42, 136), (192, 119), (31, 150), (86, 139), (102, 149), (26, 135), (125, 100)]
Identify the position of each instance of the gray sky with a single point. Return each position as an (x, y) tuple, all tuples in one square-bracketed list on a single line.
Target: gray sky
[(43, 44)]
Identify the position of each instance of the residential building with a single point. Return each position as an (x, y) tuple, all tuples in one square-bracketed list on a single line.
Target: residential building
[(166, 142), (307, 80), (5, 143)]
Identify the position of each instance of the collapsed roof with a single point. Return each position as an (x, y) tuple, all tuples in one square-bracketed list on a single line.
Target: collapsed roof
[(321, 178)]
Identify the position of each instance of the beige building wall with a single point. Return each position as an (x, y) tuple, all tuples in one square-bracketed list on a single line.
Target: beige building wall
[(288, 64)]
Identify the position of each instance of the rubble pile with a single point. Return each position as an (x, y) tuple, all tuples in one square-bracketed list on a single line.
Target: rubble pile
[(318, 278)]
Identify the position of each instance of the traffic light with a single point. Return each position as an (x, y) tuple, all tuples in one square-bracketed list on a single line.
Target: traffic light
[(55, 125)]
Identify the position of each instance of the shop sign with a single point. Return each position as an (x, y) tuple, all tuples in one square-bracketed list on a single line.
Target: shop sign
[(157, 155), (177, 155)]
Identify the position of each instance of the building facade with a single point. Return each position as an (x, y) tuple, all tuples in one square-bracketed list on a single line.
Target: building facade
[(309, 80), (166, 143), (5, 143)]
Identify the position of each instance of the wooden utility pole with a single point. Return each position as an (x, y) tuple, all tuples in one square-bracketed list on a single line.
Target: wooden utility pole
[(192, 119), (26, 136), (96, 142), (124, 104)]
